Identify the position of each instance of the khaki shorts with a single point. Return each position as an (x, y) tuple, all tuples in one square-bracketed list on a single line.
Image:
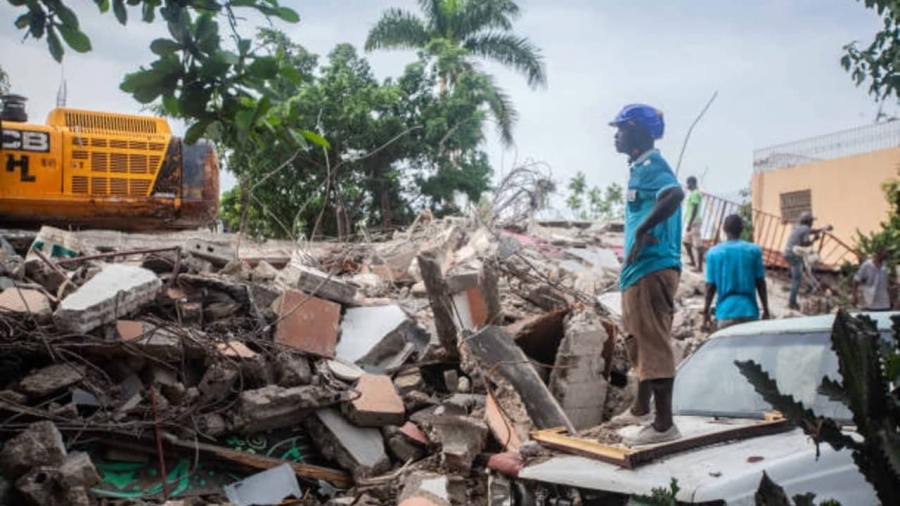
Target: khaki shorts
[(692, 236), (647, 310)]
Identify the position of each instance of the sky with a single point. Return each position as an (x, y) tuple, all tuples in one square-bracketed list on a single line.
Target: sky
[(774, 63)]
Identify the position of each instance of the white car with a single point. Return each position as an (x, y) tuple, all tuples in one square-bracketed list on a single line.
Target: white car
[(711, 395)]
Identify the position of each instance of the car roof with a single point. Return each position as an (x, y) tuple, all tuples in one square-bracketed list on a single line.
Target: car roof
[(818, 323)]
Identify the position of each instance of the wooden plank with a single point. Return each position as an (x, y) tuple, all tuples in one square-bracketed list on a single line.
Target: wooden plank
[(646, 454), (501, 426), (498, 354), (630, 458), (591, 449)]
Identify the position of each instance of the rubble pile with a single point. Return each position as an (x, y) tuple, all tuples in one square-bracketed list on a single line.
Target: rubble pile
[(144, 370)]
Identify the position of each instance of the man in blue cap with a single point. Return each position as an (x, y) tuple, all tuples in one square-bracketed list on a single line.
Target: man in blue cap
[(651, 271)]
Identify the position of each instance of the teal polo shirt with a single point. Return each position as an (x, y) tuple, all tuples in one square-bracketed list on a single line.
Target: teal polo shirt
[(734, 266), (650, 176)]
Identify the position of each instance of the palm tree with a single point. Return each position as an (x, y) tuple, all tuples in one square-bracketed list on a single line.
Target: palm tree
[(455, 33)]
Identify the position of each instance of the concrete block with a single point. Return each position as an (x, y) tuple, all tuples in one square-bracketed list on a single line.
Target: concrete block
[(40, 444), (377, 404), (462, 438), (218, 381), (50, 379), (264, 272), (24, 300), (401, 447), (292, 370), (577, 380), (274, 407), (375, 338), (317, 283), (359, 450), (308, 324), (117, 290), (217, 253), (79, 471)]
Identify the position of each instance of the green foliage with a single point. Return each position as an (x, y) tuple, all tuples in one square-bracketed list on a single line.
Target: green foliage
[(595, 204), (877, 62), (395, 147), (888, 238), (452, 34), (659, 496), (194, 77), (746, 214), (867, 365)]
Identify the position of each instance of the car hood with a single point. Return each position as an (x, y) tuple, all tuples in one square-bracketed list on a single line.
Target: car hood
[(725, 471)]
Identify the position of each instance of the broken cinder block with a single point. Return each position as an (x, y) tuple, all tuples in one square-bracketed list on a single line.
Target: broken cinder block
[(114, 292), (359, 450), (316, 282), (40, 444), (274, 407), (308, 323), (577, 380), (377, 405)]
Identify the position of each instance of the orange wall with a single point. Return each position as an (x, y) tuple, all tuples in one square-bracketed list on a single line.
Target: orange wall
[(846, 192)]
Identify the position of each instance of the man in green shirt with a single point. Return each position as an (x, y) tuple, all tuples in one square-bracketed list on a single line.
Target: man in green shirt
[(692, 239)]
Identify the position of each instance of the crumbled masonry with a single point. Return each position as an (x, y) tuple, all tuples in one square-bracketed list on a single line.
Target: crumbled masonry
[(377, 381)]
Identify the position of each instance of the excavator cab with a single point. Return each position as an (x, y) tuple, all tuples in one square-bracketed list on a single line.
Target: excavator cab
[(102, 170)]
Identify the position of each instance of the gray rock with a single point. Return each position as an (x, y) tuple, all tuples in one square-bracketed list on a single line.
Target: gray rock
[(359, 450), (38, 445), (50, 379)]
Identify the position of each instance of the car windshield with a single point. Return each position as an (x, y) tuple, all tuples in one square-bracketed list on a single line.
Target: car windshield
[(709, 383)]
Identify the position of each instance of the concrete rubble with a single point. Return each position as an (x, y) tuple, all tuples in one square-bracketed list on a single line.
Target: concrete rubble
[(375, 373)]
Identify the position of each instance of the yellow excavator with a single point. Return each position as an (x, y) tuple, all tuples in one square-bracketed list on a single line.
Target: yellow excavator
[(89, 169)]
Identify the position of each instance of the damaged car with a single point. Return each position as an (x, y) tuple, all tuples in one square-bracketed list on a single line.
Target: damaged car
[(730, 434)]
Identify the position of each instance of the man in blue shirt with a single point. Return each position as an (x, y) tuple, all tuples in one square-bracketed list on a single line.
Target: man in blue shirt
[(652, 269), (735, 270)]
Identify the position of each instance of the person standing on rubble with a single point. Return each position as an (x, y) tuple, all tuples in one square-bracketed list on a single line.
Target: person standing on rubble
[(693, 241), (651, 271), (872, 277), (802, 236), (735, 270)]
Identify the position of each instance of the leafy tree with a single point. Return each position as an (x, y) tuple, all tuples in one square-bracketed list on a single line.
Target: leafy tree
[(877, 63), (594, 203), (453, 34), (395, 147)]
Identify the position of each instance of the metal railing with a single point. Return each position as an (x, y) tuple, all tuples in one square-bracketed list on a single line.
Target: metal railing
[(770, 232), (854, 141)]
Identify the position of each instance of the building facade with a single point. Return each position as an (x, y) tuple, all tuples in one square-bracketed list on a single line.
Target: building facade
[(837, 177)]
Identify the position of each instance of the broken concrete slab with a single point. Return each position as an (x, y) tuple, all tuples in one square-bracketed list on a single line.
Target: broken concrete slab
[(577, 380), (268, 487), (308, 323), (359, 450), (493, 348), (158, 342), (377, 404), (273, 407), (317, 283), (375, 338), (422, 488), (40, 444), (462, 438), (264, 272), (24, 300), (218, 381), (114, 292), (50, 379)]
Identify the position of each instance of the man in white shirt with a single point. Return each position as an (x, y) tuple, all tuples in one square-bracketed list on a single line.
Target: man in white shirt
[(872, 279)]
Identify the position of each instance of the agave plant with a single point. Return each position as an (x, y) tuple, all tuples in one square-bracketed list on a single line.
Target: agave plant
[(868, 366)]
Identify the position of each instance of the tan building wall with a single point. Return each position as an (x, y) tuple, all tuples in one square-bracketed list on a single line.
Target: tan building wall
[(845, 192)]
